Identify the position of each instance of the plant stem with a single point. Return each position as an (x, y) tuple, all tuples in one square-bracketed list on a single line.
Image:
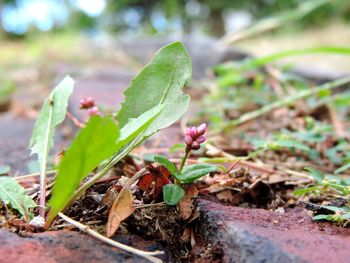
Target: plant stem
[(187, 152), (284, 102)]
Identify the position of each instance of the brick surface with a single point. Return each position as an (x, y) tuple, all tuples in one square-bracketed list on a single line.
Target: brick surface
[(67, 247), (257, 235)]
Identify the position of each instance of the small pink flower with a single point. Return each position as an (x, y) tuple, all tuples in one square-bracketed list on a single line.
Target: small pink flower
[(93, 111), (195, 145), (202, 128), (201, 139), (194, 136), (188, 140), (87, 103)]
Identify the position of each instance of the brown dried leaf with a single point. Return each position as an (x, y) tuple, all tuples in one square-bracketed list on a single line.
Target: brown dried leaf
[(121, 209), (228, 196), (109, 197), (186, 204), (186, 235)]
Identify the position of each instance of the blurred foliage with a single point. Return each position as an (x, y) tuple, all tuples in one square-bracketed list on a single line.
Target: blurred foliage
[(154, 16)]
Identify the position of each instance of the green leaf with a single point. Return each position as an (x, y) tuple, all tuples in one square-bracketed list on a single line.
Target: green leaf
[(52, 113), (159, 82), (343, 168), (13, 194), (323, 217), (193, 172), (316, 174), (135, 126), (94, 143), (173, 193), (307, 190), (291, 144), (169, 165)]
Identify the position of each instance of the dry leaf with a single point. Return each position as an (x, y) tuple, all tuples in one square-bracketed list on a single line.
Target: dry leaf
[(228, 196), (186, 235), (186, 204), (110, 196), (121, 209)]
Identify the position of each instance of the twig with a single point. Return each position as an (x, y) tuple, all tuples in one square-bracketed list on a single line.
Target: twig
[(33, 175), (337, 123), (285, 102), (145, 254), (262, 168), (150, 205), (75, 120)]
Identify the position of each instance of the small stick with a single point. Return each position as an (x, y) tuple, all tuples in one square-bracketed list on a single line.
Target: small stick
[(145, 254), (284, 102), (150, 205), (75, 120), (33, 175), (337, 123)]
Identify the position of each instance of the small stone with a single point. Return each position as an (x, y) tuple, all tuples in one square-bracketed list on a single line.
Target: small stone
[(38, 222)]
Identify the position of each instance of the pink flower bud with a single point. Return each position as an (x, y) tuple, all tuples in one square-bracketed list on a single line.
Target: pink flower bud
[(87, 103), (201, 129), (201, 139), (90, 102), (188, 140), (188, 131), (195, 145), (193, 132), (93, 111)]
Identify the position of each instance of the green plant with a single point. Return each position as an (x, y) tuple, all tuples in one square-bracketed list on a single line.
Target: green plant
[(328, 186), (153, 101), (173, 192)]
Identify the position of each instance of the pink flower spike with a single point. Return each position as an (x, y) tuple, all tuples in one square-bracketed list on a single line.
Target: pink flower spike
[(188, 140), (201, 139), (202, 128), (93, 111)]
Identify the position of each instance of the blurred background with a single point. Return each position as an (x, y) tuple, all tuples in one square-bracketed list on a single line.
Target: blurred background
[(41, 40)]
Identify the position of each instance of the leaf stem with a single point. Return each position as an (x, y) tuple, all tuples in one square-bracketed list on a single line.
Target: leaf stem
[(183, 162)]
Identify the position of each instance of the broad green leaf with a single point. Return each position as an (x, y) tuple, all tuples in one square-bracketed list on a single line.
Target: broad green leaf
[(316, 174), (135, 126), (173, 193), (94, 143), (52, 113), (159, 82), (169, 165), (13, 194), (193, 172)]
